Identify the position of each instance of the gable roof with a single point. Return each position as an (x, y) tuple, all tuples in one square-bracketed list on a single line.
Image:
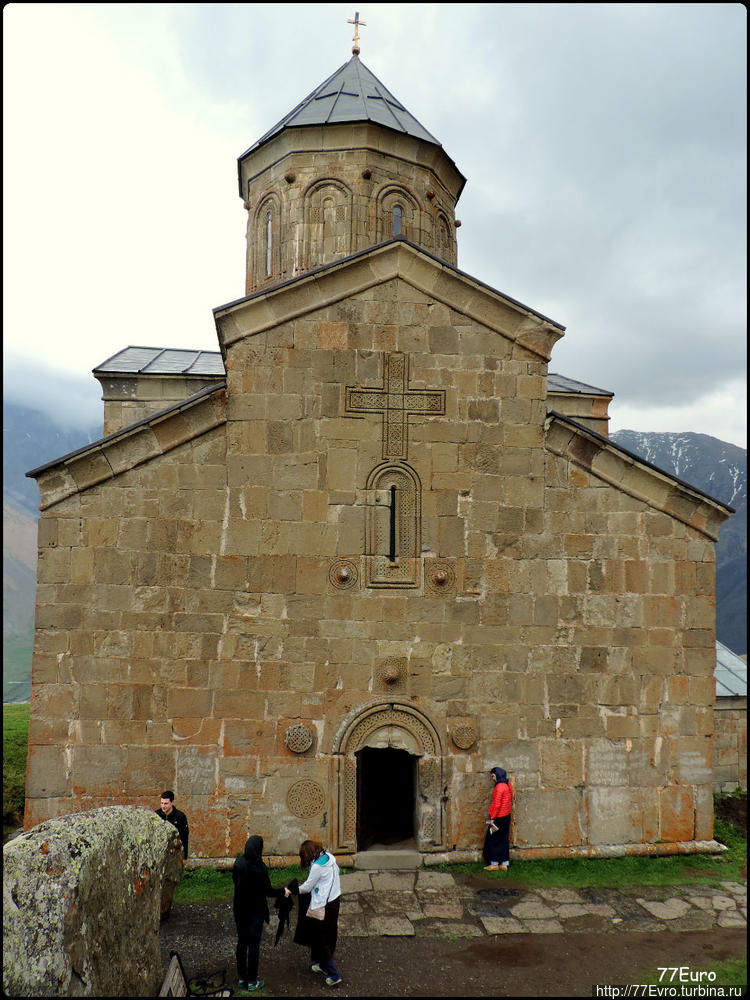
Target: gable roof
[(394, 257), (399, 258), (611, 463), (139, 442), (561, 383)]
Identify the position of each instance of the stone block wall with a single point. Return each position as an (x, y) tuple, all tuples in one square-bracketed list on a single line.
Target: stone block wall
[(327, 193), (730, 744), (196, 631), (130, 398)]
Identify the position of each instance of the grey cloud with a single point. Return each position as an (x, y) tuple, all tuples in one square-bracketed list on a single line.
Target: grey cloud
[(74, 401)]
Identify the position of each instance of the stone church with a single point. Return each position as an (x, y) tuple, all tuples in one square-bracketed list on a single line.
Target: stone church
[(321, 582)]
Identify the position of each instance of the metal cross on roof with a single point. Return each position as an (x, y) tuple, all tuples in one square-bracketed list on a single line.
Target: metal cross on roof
[(356, 22)]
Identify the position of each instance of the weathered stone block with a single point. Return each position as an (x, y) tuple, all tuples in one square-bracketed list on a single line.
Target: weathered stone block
[(677, 813), (547, 816), (82, 897), (561, 764)]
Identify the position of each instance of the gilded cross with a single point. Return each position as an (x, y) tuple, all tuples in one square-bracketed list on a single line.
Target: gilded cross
[(356, 22), (395, 402)]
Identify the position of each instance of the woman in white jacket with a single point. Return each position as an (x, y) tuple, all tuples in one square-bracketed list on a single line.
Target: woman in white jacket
[(323, 884)]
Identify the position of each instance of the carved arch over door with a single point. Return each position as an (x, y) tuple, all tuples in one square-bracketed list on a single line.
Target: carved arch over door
[(400, 725)]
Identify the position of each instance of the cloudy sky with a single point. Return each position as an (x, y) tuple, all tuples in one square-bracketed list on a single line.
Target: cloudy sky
[(604, 147)]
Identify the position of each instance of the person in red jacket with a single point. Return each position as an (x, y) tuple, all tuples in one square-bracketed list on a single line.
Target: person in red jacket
[(497, 840)]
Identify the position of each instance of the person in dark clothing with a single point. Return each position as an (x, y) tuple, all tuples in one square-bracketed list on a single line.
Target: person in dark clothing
[(175, 817), (251, 887)]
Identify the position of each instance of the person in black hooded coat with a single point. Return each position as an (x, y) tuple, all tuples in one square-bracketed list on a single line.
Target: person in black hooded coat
[(251, 887)]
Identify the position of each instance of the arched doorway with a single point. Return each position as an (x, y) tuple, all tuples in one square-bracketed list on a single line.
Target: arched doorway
[(386, 798), (388, 775)]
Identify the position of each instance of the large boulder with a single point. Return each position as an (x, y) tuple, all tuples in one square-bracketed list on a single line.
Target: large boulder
[(82, 898)]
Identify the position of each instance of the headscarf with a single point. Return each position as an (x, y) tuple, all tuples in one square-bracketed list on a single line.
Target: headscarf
[(252, 857), (250, 877), (500, 774)]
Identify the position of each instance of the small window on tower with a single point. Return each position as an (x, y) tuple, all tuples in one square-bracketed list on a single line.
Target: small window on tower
[(269, 242), (398, 215)]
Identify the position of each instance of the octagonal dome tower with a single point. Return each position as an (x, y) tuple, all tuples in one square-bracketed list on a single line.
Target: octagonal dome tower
[(347, 168)]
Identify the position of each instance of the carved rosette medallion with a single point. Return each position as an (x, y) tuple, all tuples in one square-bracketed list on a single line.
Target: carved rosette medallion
[(298, 738), (464, 735), (305, 799), (391, 673), (343, 574), (439, 577)]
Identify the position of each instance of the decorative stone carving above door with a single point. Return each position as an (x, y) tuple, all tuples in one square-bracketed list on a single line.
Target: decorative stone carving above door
[(397, 725)]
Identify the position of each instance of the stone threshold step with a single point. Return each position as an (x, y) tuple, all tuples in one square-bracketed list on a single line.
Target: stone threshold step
[(388, 860)]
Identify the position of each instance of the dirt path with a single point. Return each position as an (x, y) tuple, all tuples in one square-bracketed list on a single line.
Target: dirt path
[(565, 965)]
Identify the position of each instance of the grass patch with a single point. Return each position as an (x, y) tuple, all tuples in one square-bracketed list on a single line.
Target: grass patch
[(17, 656), (211, 885), (15, 751), (204, 885), (620, 873)]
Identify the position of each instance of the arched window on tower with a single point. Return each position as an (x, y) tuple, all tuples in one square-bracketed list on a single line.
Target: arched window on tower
[(269, 243), (328, 222), (264, 242), (398, 219), (397, 213)]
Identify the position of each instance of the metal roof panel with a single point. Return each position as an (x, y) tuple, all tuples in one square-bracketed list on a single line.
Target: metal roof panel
[(730, 673), (162, 361), (352, 94), (561, 383)]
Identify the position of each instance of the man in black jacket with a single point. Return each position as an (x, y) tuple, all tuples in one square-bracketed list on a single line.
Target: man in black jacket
[(175, 817)]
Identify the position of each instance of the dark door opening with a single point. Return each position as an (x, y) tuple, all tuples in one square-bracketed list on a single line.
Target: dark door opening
[(386, 779)]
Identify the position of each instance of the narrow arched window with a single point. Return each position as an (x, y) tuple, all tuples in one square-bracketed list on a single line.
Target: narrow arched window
[(398, 215), (392, 527), (269, 242)]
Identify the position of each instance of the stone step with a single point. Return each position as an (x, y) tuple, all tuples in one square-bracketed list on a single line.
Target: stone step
[(388, 860)]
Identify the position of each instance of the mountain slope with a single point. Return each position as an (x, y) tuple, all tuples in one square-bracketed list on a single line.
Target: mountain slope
[(30, 438)]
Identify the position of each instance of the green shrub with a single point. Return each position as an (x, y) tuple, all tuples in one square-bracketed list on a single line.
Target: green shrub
[(15, 750)]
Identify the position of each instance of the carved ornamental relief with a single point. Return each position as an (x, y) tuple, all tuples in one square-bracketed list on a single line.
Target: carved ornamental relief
[(402, 727)]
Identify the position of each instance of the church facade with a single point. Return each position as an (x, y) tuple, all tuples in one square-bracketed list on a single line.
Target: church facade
[(322, 588)]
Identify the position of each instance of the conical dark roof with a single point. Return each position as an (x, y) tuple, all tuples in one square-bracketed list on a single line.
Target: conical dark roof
[(351, 94)]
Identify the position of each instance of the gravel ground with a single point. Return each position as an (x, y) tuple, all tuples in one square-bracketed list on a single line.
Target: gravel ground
[(566, 965)]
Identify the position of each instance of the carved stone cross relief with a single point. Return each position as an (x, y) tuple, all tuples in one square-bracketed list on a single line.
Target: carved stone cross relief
[(395, 402)]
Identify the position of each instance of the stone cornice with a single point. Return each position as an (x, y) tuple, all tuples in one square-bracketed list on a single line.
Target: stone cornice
[(636, 477), (132, 446), (396, 258)]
